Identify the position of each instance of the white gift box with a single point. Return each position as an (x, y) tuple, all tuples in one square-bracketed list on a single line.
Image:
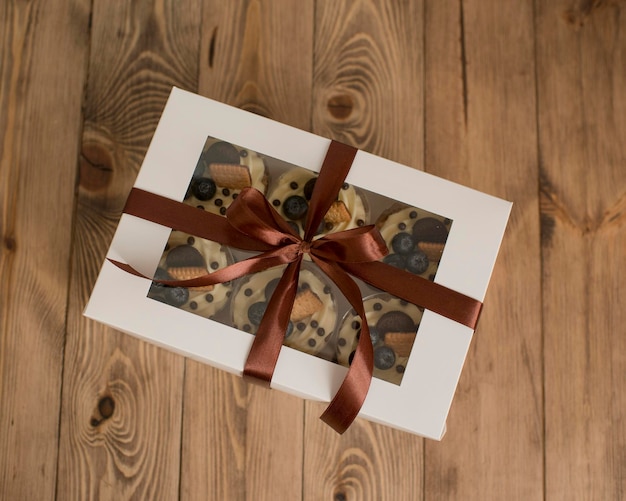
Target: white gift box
[(420, 403)]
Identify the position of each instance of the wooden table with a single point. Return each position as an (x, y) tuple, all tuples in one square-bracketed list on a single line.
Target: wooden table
[(523, 100)]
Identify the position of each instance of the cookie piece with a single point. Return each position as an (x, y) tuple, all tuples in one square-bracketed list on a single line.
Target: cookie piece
[(393, 325), (415, 238), (222, 171), (305, 305), (313, 318), (186, 256), (292, 194)]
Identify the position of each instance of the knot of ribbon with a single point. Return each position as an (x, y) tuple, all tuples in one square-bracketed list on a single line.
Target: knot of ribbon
[(251, 223)]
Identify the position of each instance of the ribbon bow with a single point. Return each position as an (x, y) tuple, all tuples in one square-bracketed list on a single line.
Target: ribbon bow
[(251, 223)]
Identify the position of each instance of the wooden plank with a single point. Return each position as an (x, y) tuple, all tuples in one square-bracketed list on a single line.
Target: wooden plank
[(581, 56), (122, 398), (481, 131), (368, 93), (255, 55), (42, 73)]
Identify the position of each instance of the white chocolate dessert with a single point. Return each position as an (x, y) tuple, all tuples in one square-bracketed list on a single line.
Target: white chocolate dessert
[(186, 257), (223, 170), (415, 238), (393, 325), (313, 317), (292, 193)]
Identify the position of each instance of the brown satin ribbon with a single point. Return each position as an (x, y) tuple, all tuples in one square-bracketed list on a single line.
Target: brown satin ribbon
[(251, 223)]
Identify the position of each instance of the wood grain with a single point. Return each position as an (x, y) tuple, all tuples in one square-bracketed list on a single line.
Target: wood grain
[(368, 93), (255, 55), (481, 131), (122, 398), (42, 73), (581, 56)]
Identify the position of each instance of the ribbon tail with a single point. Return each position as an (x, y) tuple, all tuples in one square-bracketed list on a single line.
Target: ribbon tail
[(419, 291), (268, 341), (347, 402)]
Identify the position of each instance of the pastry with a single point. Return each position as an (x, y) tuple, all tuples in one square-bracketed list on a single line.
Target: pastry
[(223, 170), (393, 325), (313, 317), (292, 194), (415, 238), (186, 257)]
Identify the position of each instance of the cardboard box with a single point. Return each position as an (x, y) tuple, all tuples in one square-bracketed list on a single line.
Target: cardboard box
[(418, 396)]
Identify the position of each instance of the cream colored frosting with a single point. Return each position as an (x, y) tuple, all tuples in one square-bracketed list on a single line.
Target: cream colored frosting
[(348, 333), (203, 303), (315, 331), (258, 178), (350, 197)]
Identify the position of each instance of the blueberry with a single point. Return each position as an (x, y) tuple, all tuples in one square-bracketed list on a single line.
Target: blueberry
[(417, 262), (395, 260), (374, 336), (289, 329), (271, 287), (308, 188), (199, 170), (295, 207), (176, 296), (203, 188), (384, 357), (256, 312), (294, 227), (402, 243), (161, 274)]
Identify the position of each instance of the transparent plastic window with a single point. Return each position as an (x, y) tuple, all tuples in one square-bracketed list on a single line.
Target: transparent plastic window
[(322, 322)]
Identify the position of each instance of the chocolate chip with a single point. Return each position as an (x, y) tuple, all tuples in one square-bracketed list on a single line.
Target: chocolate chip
[(341, 342), (301, 326), (193, 305), (400, 369), (345, 186), (191, 240), (225, 192), (215, 265), (378, 306), (201, 207), (275, 203), (209, 298), (248, 292), (218, 202), (247, 327), (293, 185), (243, 153), (356, 325), (360, 222), (311, 342), (412, 214), (328, 226), (235, 195), (326, 289), (321, 331), (402, 226), (223, 211), (314, 324)]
